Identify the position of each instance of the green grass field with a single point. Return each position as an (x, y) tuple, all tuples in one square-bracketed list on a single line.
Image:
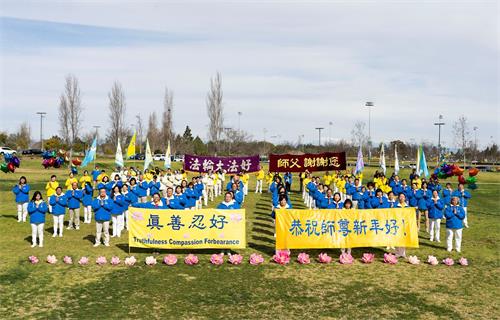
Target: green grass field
[(245, 291)]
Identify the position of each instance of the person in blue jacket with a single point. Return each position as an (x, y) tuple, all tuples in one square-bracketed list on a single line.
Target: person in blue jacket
[(392, 200), (95, 174), (74, 197), (406, 189), (199, 188), (369, 195), (191, 196), (117, 181), (237, 194), (117, 210), (22, 193), (170, 200), (277, 195), (130, 199), (464, 196), (435, 206), (395, 185), (379, 201), (142, 189), (356, 193), (102, 206), (133, 190), (446, 194), (335, 204), (424, 195), (155, 203), (454, 215), (88, 193), (180, 198), (58, 203), (283, 203), (104, 184), (288, 181), (312, 187), (37, 208), (154, 185), (228, 202)]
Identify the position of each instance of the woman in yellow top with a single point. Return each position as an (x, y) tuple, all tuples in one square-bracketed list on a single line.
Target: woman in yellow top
[(245, 177), (70, 180), (51, 186), (85, 178), (259, 176)]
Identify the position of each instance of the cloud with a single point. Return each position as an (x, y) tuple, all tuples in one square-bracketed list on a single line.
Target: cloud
[(287, 67)]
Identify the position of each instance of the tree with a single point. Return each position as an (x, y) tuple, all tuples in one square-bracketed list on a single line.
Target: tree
[(153, 132), (187, 135), (117, 109), (461, 134), (140, 130), (215, 110), (70, 111), (54, 143), (358, 134), (22, 137), (166, 128), (199, 147)]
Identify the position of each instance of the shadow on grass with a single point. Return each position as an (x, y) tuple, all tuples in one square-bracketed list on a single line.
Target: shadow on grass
[(7, 216), (263, 231)]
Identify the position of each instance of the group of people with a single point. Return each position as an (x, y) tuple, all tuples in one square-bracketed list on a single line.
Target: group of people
[(346, 191), (109, 197)]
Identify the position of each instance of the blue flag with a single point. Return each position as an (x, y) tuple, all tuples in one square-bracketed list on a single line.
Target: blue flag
[(90, 153), (422, 163)]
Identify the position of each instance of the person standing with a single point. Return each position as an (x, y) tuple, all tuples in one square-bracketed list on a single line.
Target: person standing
[(102, 212), (58, 203), (74, 197), (22, 193), (454, 215), (37, 208)]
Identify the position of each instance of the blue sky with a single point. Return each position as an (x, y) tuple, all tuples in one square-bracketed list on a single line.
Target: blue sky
[(287, 66)]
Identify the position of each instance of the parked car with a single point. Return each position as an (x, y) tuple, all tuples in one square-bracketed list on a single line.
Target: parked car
[(7, 150), (159, 157), (32, 151), (178, 158), (138, 156)]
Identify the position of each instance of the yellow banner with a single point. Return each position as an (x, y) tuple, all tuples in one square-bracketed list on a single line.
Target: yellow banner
[(187, 229), (302, 229)]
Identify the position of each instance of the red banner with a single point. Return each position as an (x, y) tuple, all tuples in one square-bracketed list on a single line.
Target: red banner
[(326, 161)]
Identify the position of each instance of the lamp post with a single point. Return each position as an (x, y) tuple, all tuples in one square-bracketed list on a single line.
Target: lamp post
[(319, 135), (475, 142), (330, 124), (439, 124), (369, 104), (239, 121), (42, 115)]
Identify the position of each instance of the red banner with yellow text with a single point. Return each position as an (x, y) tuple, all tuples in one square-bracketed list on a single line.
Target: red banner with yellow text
[(326, 161)]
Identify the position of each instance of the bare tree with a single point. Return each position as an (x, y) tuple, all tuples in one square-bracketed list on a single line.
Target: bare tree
[(117, 109), (153, 131), (461, 134), (140, 130), (23, 136), (215, 110), (166, 127), (70, 111), (358, 134)]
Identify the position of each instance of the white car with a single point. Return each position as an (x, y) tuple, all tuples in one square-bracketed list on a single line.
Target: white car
[(159, 157), (7, 150)]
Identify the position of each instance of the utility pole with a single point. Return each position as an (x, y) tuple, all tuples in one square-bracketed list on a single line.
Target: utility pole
[(42, 115), (439, 124), (319, 135), (369, 104)]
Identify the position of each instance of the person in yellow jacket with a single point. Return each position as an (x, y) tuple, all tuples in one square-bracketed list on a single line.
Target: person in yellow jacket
[(51, 187), (259, 177), (69, 182), (327, 179), (269, 178), (305, 191), (417, 181), (85, 178)]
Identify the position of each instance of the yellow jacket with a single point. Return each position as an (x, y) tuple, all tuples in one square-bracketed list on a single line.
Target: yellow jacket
[(69, 182), (51, 188), (260, 174), (85, 179)]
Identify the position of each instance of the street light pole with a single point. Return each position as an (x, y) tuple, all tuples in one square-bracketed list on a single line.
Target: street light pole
[(369, 104), (319, 135), (439, 124), (330, 133), (475, 142), (42, 114), (97, 140), (239, 121)]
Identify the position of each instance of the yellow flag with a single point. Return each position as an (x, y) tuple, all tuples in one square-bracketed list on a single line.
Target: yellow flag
[(131, 147)]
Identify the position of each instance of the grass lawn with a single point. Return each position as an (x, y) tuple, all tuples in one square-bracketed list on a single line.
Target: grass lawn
[(244, 291)]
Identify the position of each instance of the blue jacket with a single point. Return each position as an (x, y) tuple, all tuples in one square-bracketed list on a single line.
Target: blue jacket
[(454, 217), (88, 192), (413, 197), (102, 209), (446, 196), (228, 206), (375, 203), (191, 197), (95, 174), (58, 207), (173, 203), (119, 205), (199, 189), (288, 178), (392, 204), (37, 215), (115, 183), (355, 192), (238, 197), (396, 187), (74, 199), (150, 205), (367, 198), (22, 194), (180, 200), (464, 198), (435, 209), (154, 187), (332, 204), (434, 186), (311, 187), (130, 199), (422, 202), (142, 188), (229, 186), (133, 194)]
